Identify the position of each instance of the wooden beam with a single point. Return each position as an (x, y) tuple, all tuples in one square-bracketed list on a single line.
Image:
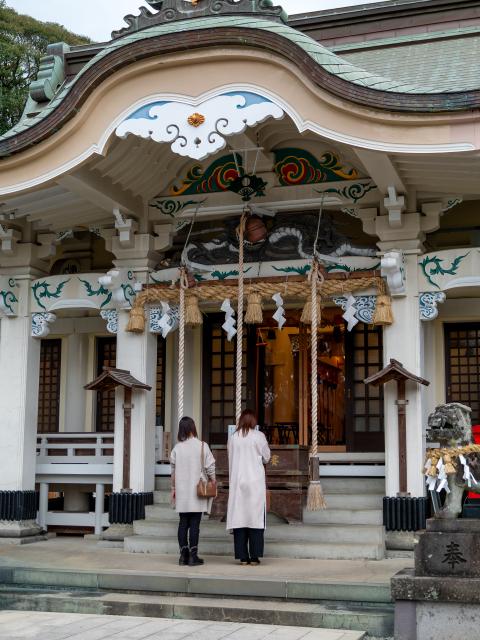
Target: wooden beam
[(101, 192), (381, 170)]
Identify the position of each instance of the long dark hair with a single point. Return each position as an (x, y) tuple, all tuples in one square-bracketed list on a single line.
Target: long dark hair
[(186, 429), (248, 421)]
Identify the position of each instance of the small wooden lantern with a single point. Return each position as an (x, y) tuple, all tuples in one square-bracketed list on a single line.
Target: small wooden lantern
[(109, 379), (396, 371)]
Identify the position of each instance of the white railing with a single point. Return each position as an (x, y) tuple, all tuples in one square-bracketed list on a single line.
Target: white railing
[(74, 459), (75, 448)]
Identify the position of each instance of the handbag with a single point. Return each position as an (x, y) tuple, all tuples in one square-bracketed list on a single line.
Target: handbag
[(205, 488)]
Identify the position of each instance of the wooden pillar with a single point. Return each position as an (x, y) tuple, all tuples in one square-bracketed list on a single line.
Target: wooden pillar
[(303, 386), (402, 436), (127, 436)]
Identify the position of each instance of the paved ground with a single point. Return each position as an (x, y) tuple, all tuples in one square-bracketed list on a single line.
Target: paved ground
[(76, 553), (22, 625)]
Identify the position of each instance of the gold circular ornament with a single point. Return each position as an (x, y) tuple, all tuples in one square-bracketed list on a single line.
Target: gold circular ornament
[(196, 119)]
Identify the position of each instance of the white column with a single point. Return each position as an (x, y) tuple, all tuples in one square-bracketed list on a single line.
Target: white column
[(99, 506), (43, 505), (75, 394), (138, 354), (192, 403), (403, 340), (19, 377)]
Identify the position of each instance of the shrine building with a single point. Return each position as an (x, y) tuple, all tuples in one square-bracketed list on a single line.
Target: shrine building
[(170, 200)]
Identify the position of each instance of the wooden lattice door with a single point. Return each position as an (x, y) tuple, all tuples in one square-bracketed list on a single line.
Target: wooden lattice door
[(364, 416), (106, 357), (219, 363), (462, 351), (49, 386)]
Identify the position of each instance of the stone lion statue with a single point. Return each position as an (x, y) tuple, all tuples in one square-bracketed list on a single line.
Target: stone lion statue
[(450, 425)]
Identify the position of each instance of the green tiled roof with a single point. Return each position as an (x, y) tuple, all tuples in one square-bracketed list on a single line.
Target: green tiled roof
[(348, 70), (448, 61)]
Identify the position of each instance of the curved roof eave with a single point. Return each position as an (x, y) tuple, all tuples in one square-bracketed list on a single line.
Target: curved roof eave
[(323, 67)]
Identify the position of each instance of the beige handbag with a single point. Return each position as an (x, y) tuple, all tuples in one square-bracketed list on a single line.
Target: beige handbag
[(205, 488)]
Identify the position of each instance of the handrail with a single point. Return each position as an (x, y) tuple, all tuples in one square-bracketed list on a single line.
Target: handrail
[(75, 445)]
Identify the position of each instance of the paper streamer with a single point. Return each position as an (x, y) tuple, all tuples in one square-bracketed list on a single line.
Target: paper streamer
[(350, 313), (279, 315), (230, 322)]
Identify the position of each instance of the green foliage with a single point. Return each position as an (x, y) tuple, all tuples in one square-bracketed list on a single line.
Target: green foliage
[(23, 41)]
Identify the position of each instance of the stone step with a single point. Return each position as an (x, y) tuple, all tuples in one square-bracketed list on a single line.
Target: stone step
[(196, 581), (352, 485), (334, 501), (165, 513), (162, 483), (345, 517), (376, 620), (354, 501), (311, 533), (99, 628), (223, 546), (162, 497)]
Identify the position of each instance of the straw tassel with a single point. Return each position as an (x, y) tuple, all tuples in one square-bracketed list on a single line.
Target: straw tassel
[(306, 317), (383, 315), (136, 323), (193, 315), (254, 314), (383, 310), (449, 466)]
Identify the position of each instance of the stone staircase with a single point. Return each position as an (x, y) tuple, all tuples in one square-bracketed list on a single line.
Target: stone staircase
[(350, 527)]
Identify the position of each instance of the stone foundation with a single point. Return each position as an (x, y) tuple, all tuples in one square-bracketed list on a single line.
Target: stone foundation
[(440, 598)]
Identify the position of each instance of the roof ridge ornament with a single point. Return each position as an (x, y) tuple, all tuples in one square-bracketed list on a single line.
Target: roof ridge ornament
[(175, 10)]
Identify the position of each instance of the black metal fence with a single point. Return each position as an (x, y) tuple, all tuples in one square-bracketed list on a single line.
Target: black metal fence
[(405, 514), (124, 508), (18, 505)]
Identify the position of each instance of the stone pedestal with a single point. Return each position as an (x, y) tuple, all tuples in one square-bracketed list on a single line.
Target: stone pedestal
[(440, 598)]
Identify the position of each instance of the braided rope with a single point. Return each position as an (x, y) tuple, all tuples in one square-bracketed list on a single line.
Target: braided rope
[(217, 292), (314, 350), (181, 344), (449, 455), (238, 379)]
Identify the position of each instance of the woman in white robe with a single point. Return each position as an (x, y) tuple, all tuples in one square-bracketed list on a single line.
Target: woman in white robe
[(186, 461), (248, 452)]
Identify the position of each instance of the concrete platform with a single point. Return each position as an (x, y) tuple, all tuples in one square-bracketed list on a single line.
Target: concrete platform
[(50, 626), (75, 575), (79, 555)]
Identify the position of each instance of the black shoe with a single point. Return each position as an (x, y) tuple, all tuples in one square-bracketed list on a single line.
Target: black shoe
[(184, 557), (194, 560), (255, 561), (244, 562)]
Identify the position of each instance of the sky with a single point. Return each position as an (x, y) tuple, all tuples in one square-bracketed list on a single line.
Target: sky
[(97, 18)]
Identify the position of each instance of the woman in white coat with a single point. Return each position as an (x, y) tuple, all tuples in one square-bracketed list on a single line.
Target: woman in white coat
[(187, 468), (248, 452)]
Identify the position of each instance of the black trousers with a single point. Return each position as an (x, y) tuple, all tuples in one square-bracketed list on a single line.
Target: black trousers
[(189, 530), (248, 543)]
